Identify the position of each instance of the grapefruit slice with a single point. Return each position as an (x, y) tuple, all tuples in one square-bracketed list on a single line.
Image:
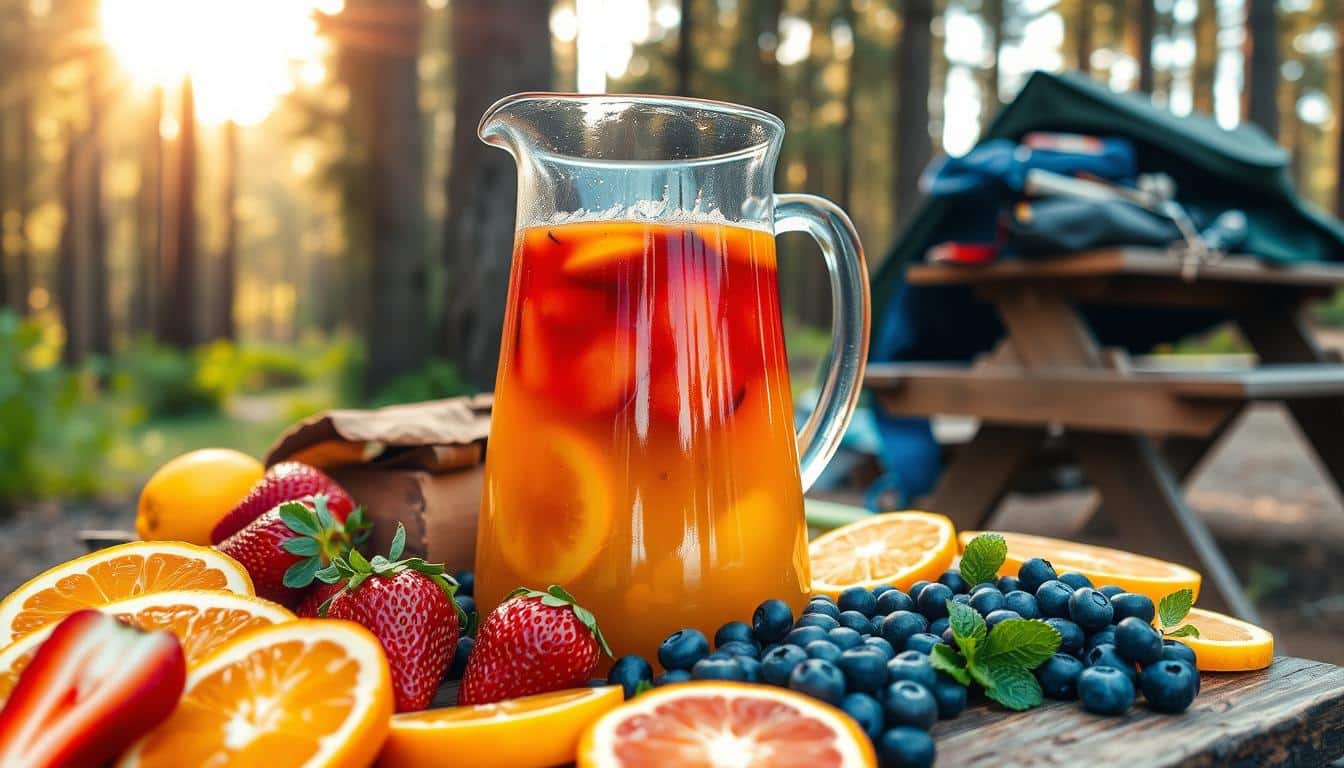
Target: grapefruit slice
[(896, 548), (725, 725), (1134, 573), (1226, 644)]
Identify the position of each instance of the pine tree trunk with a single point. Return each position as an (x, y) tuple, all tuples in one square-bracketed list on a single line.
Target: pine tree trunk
[(913, 148), (1146, 17), (148, 219), (1206, 56), (67, 256), (228, 257), (23, 272), (993, 10), (500, 47), (6, 300), (1339, 124), (177, 295), (685, 48), (846, 196), (100, 314), (1082, 36), (1262, 65)]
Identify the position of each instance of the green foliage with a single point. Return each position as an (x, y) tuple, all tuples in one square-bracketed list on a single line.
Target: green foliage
[(983, 557), (165, 382), (437, 379), (1172, 610), (1001, 659)]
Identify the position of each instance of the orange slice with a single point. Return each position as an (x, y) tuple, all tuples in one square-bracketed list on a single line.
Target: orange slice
[(1226, 644), (552, 523), (896, 548), (724, 725), (310, 692), (203, 619), (598, 253), (1133, 573), (533, 730), (117, 573)]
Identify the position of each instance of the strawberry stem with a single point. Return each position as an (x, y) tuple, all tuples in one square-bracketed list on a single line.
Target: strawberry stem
[(353, 569)]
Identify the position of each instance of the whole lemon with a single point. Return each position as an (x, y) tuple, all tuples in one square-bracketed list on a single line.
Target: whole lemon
[(186, 497)]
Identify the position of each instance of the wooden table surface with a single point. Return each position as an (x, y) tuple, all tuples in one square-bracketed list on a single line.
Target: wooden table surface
[(1289, 714)]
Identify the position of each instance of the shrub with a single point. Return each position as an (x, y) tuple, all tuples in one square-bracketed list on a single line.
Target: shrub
[(166, 382), (437, 379)]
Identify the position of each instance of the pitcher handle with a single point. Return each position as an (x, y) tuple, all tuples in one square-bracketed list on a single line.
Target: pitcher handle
[(831, 228)]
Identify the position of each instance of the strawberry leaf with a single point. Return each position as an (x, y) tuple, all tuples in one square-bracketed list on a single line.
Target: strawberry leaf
[(303, 546), (324, 517), (358, 562), (299, 518), (300, 574), (398, 543)]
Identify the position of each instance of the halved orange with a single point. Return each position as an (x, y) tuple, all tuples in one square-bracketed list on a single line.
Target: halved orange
[(533, 730), (309, 692), (1139, 574), (723, 725), (1226, 644), (203, 619), (896, 548), (553, 512), (116, 573), (600, 251)]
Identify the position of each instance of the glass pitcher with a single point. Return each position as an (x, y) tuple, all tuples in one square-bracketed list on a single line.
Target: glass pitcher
[(642, 449)]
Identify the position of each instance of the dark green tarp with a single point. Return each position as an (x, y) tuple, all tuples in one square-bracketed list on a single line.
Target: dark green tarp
[(1214, 169)]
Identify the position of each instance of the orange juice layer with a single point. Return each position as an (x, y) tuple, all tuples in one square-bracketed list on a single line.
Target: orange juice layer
[(642, 446)]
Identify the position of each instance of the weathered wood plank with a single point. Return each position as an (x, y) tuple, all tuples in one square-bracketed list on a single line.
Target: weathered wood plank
[(1289, 714)]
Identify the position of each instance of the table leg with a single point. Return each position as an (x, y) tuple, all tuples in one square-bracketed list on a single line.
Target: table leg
[(1143, 498), (972, 485)]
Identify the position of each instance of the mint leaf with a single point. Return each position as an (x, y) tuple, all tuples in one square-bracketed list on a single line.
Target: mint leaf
[(968, 627), (1171, 610), (1021, 643), (1013, 687), (947, 660), (983, 557), (1189, 630)]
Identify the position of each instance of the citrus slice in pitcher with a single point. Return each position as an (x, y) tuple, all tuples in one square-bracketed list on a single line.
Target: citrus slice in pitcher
[(725, 724), (895, 548), (116, 573), (1226, 644), (1139, 574), (552, 505), (598, 250)]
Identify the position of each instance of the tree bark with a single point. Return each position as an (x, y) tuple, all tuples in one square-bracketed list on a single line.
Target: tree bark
[(148, 219), (228, 257), (100, 313), (994, 21), (1082, 37), (67, 256), (1146, 18), (177, 304), (1206, 56), (23, 271), (1339, 124), (913, 148), (685, 48), (1262, 65), (501, 47), (846, 196), (6, 300)]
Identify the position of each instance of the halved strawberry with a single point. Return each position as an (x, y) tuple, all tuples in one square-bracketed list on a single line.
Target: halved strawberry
[(93, 688)]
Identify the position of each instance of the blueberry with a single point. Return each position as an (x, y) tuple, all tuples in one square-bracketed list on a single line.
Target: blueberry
[(937, 627), (864, 670), (823, 649), (467, 602), (985, 585), (1104, 655), (1169, 686), (751, 668), (894, 600), (804, 635), (1136, 641), (881, 646), (857, 622), (740, 648), (1008, 584), (1173, 650), (866, 712), (909, 703), (932, 600), (916, 588), (1022, 603), (823, 620), (922, 642), (823, 605), (460, 656), (913, 666), (1110, 590), (672, 676), (628, 672), (844, 638), (1034, 573), (882, 589), (1105, 690), (819, 679), (1130, 604), (1071, 637), (771, 621), (682, 649), (950, 696), (1104, 637), (733, 630), (905, 747), (1053, 599), (900, 626), (954, 581), (1058, 676), (1075, 580), (1090, 609), (963, 598), (857, 599), (987, 601), (466, 583), (998, 617), (778, 664), (949, 637), (718, 669)]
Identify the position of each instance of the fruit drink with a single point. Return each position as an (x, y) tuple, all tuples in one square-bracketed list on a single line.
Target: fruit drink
[(642, 449)]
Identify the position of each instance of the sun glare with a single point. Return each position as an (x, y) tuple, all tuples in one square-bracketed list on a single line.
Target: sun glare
[(241, 55)]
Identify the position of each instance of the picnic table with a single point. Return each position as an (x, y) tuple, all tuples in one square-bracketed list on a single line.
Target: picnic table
[(1137, 433)]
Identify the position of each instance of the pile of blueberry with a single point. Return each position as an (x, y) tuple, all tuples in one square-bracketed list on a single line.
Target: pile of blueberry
[(868, 652)]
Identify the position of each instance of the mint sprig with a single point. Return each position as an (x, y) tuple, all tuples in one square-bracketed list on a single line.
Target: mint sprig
[(1000, 660), (983, 557), (1172, 610)]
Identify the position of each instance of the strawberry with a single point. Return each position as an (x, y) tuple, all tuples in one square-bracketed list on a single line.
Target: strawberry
[(408, 605), (284, 548), (532, 643), (319, 594), (286, 481)]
